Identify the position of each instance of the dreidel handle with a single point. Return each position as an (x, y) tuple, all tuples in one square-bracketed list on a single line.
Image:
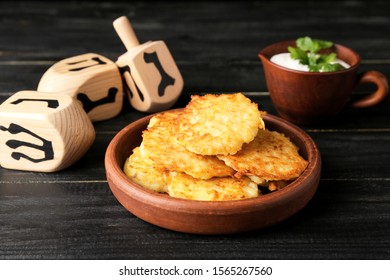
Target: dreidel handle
[(126, 32)]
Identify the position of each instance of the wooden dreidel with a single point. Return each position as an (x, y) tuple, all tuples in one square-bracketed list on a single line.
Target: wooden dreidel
[(152, 80), (92, 79), (43, 132)]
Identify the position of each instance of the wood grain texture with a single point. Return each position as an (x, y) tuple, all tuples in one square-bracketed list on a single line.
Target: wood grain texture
[(90, 78), (43, 132), (72, 214)]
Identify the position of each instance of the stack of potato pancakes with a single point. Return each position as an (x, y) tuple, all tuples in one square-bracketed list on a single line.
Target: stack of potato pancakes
[(216, 148)]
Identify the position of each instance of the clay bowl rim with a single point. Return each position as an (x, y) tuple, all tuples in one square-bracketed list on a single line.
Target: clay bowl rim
[(115, 175), (265, 57)]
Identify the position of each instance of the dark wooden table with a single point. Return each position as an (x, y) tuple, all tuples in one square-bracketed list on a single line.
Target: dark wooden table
[(72, 214)]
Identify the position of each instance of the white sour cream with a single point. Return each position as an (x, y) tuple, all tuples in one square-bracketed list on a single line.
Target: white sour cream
[(285, 60)]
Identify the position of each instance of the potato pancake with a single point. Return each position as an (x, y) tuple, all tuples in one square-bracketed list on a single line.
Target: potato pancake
[(216, 124), (164, 119), (217, 148), (160, 145), (216, 189), (145, 172), (270, 156)]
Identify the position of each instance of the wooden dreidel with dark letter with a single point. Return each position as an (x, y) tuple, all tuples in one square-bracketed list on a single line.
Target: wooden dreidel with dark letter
[(92, 79), (152, 79), (43, 132)]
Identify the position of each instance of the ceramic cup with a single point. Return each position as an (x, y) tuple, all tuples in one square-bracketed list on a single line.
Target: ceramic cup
[(307, 97)]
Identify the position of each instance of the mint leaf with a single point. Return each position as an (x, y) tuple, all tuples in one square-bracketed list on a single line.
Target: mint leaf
[(312, 58), (304, 43), (327, 58), (314, 68), (332, 67), (307, 53), (312, 45), (324, 44), (298, 54)]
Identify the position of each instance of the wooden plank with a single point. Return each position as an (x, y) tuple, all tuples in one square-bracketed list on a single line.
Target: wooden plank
[(348, 152), (72, 214), (84, 221), (212, 76), (204, 27)]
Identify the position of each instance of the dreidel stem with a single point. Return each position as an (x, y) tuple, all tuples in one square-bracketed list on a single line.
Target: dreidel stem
[(126, 32)]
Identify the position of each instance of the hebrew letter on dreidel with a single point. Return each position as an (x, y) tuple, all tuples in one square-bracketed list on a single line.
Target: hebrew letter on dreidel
[(152, 75), (88, 104), (46, 147), (41, 133), (92, 75), (166, 80), (93, 59), (51, 103)]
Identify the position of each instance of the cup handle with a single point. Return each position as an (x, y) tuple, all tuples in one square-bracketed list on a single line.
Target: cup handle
[(380, 81)]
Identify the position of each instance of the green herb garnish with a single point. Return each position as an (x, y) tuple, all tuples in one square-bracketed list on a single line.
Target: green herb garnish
[(307, 53)]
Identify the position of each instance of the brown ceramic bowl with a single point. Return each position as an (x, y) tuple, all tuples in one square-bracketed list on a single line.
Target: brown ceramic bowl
[(204, 217)]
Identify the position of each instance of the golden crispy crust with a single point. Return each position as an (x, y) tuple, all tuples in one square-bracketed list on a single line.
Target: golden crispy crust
[(270, 156), (216, 124), (145, 172), (160, 145), (216, 149), (217, 189)]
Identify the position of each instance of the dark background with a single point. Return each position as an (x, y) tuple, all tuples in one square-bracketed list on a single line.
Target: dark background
[(73, 215)]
